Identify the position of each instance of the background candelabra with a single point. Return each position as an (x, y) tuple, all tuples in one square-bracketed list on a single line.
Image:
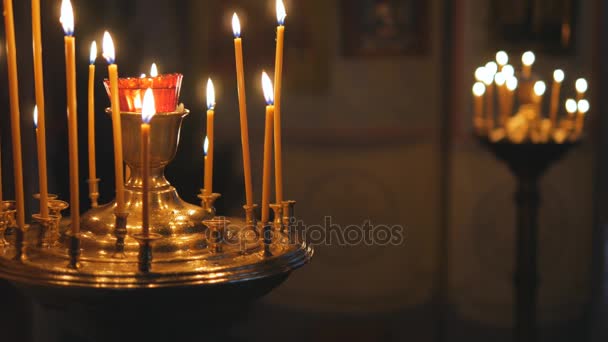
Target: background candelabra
[(521, 135)]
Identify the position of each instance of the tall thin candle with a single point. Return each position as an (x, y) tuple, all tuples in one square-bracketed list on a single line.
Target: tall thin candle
[(67, 20), (240, 77), (13, 83), (93, 185), (278, 78), (270, 111), (210, 137), (148, 111), (109, 54), (558, 78), (41, 126)]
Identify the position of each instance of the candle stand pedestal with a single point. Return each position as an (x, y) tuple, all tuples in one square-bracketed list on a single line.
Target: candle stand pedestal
[(527, 162)]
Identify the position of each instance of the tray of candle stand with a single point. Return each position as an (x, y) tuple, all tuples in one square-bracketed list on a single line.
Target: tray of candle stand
[(244, 268), (527, 158)]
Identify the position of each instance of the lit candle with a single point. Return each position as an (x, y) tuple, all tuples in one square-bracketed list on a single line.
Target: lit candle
[(511, 87), (500, 80), (508, 71), (41, 162), (527, 60), (240, 77), (147, 112), (269, 96), (571, 108), (581, 88), (583, 108), (13, 83), (210, 137), (109, 54), (478, 91), (278, 81), (539, 90), (558, 78), (41, 125), (490, 72), (93, 186), (502, 58), (205, 151), (153, 71), (67, 20), (480, 73)]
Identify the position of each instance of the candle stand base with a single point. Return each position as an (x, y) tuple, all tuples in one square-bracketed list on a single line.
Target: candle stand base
[(527, 162)]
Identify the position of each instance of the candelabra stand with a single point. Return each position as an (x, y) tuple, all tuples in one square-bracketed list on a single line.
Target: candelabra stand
[(194, 269), (527, 162)]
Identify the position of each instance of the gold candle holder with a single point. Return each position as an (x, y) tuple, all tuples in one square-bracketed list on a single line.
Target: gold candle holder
[(120, 232), (94, 191), (250, 218), (208, 203), (145, 256), (277, 223), (74, 252), (8, 211), (49, 231), (216, 229)]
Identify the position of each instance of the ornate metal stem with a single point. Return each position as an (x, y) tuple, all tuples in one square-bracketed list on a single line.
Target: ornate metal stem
[(120, 232)]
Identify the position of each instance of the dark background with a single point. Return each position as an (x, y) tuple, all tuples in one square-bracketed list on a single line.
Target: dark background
[(383, 136)]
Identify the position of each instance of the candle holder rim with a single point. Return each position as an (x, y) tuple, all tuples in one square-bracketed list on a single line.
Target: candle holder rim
[(49, 196), (183, 112), (150, 237), (133, 78)]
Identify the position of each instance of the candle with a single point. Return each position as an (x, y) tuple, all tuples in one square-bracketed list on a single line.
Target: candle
[(488, 80), (558, 78), (571, 108), (93, 190), (539, 90), (41, 162), (67, 20), (508, 71), (153, 71), (527, 59), (500, 80), (478, 91), (13, 83), (147, 112), (205, 151), (511, 87), (41, 125), (278, 81), (480, 74), (210, 136), (240, 77), (502, 58), (109, 54), (581, 88), (583, 108), (269, 96)]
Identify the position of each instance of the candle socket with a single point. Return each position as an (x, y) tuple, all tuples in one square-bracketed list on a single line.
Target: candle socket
[(144, 261), (55, 208), (49, 230), (208, 202), (94, 191), (74, 252), (120, 232), (278, 217), (250, 215), (8, 210), (289, 219), (215, 233), (267, 234)]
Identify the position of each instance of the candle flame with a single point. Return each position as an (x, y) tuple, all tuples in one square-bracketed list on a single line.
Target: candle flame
[(93, 56), (512, 83), (558, 75), (583, 106), (528, 58), (539, 88), (206, 146), (508, 71), (479, 89), (492, 68), (109, 52), (36, 116), (236, 26), (149, 107), (500, 79), (480, 73), (502, 58), (142, 76), (268, 89), (67, 17), (281, 13), (153, 70), (210, 95), (571, 106), (581, 85)]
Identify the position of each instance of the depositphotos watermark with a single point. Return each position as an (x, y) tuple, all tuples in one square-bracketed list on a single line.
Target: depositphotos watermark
[(328, 233)]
